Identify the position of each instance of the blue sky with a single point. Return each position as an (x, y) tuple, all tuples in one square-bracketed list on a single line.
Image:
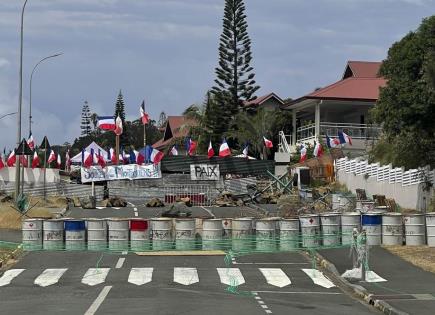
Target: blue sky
[(165, 51)]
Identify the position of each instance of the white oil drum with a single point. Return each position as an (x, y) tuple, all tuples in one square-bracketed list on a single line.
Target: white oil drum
[(310, 229), (227, 225), (381, 209), (371, 222), (349, 222), (330, 223), (161, 233), (430, 228), (97, 233), (367, 206), (198, 227), (75, 234), (266, 234), (139, 234), (118, 230), (32, 234), (212, 233), (53, 234), (414, 229), (242, 238), (185, 234), (392, 229), (289, 236)]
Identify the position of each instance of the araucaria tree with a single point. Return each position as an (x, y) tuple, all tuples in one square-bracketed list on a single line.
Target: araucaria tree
[(86, 122), (235, 77), (120, 111)]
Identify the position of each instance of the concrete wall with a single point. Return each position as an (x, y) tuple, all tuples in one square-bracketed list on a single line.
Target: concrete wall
[(411, 196), (36, 175)]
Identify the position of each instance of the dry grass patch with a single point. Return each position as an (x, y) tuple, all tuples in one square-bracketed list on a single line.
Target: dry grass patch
[(420, 256), (10, 218)]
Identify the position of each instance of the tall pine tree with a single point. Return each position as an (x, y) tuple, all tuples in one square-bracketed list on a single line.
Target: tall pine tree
[(120, 111), (235, 77), (86, 122)]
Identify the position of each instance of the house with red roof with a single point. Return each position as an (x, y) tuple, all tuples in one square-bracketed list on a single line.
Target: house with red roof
[(176, 130), (269, 101), (341, 106)]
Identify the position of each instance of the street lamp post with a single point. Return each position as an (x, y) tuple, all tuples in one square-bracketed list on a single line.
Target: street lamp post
[(31, 78), (20, 99)]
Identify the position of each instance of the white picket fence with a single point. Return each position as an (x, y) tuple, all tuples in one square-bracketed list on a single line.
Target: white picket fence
[(386, 173)]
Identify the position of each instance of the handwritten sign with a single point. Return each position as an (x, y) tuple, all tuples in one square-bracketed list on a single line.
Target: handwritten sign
[(204, 172), (117, 172)]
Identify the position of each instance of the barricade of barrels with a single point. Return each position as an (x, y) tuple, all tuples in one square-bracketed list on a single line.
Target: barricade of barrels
[(324, 230)]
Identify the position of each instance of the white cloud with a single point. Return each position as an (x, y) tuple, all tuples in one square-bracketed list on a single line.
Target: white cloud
[(4, 62)]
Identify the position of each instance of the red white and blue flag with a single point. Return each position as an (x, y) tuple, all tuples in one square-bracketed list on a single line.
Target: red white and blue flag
[(140, 158), (268, 143), (106, 123), (23, 160), (51, 157), (318, 150), (112, 156), (118, 126), (173, 150), (210, 151), (87, 159), (67, 159), (156, 156), (35, 161), (303, 154), (12, 158), (191, 147), (332, 142), (31, 142), (224, 149), (344, 138), (144, 116), (2, 164)]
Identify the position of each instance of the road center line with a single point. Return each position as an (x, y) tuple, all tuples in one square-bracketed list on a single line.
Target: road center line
[(98, 301), (120, 262)]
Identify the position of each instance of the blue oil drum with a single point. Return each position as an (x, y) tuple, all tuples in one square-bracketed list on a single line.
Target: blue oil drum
[(75, 234), (372, 224)]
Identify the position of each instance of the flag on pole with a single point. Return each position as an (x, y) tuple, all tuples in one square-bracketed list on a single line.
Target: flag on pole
[(192, 147), (144, 116), (224, 149), (156, 156), (118, 126), (268, 143), (140, 157), (303, 154), (332, 142), (100, 159), (210, 151), (245, 151), (51, 157), (113, 156), (31, 142), (344, 138), (106, 122), (67, 159), (23, 161), (87, 159), (318, 150), (59, 161), (2, 164), (12, 158), (173, 150), (35, 162)]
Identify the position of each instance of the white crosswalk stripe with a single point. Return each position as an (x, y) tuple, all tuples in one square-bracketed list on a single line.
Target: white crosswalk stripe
[(231, 276), (9, 275), (140, 276), (319, 278), (275, 277), (49, 277), (185, 276), (95, 276)]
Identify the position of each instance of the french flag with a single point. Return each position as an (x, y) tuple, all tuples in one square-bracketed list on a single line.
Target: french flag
[(144, 116), (31, 142), (210, 151), (332, 142), (140, 157), (112, 156), (51, 157), (156, 156), (35, 162), (344, 138), (100, 159), (12, 158), (318, 150), (2, 164), (87, 159), (173, 150), (268, 143), (106, 123), (118, 126), (303, 154), (67, 159), (224, 149), (23, 160), (59, 161), (191, 147)]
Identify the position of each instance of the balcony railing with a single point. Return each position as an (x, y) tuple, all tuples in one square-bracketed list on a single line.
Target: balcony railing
[(285, 142), (355, 131)]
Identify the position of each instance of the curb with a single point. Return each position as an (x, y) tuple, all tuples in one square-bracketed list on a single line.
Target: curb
[(12, 255), (358, 290)]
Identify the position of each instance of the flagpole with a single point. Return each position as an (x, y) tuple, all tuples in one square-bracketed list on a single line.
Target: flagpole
[(45, 168), (117, 149), (144, 135)]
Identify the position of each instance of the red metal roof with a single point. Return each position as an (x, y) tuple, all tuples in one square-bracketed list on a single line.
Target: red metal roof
[(261, 99), (362, 69), (174, 131)]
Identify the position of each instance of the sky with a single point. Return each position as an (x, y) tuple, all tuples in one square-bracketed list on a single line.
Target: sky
[(165, 51)]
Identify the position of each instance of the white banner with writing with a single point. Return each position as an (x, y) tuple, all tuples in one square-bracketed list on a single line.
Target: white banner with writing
[(116, 172), (204, 172)]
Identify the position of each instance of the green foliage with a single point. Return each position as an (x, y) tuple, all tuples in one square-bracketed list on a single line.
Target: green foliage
[(295, 157), (85, 126), (120, 111), (235, 77), (406, 106)]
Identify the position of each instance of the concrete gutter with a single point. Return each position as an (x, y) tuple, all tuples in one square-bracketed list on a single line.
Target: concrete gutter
[(356, 290)]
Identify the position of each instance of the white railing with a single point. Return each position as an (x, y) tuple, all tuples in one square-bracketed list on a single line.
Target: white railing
[(355, 131), (284, 142), (386, 173)]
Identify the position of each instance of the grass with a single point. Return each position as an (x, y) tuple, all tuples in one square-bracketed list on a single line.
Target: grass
[(420, 256)]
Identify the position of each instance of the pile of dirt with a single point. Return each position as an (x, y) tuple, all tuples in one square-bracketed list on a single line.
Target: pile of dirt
[(155, 203), (226, 199), (177, 210), (116, 202), (288, 205)]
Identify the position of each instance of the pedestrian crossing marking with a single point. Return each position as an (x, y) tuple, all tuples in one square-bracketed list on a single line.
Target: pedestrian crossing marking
[(9, 275), (319, 278), (140, 276), (231, 276), (185, 276), (49, 277), (95, 276), (275, 277)]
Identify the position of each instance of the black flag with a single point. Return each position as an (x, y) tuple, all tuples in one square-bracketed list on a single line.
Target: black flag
[(45, 145), (23, 148)]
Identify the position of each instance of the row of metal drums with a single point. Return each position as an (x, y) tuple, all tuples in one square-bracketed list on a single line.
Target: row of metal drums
[(327, 229)]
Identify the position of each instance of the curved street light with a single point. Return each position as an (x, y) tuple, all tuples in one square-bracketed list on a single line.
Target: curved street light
[(1, 117), (31, 77)]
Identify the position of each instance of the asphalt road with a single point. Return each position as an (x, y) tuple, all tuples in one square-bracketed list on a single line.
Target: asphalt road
[(72, 288)]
